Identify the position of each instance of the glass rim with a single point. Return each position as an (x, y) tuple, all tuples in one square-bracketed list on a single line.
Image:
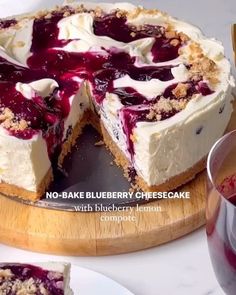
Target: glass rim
[(209, 159)]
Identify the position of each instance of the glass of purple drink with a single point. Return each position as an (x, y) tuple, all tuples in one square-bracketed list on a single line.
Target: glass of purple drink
[(221, 210)]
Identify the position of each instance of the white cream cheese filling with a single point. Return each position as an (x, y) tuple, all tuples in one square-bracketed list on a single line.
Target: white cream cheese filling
[(79, 103), (23, 163)]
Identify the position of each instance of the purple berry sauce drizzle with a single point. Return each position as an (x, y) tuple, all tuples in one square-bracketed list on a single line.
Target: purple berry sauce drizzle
[(99, 69), (53, 282), (137, 112), (4, 24)]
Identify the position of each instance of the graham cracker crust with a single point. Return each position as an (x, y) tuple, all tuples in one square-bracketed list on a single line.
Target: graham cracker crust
[(174, 182), (171, 184), (15, 191)]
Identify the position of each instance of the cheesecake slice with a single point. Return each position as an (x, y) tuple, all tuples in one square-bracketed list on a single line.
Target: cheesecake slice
[(155, 87), (38, 279)]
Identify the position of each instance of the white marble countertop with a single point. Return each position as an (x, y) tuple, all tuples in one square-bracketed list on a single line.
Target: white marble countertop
[(183, 266), (179, 268)]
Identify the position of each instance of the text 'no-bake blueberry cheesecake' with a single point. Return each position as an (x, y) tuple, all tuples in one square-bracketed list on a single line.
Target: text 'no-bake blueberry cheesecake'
[(155, 87)]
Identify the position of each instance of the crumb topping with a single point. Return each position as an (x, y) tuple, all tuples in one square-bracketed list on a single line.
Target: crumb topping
[(99, 143), (170, 33), (6, 114), (206, 68), (165, 105), (19, 287), (175, 42), (5, 274), (200, 65), (140, 10), (133, 34), (183, 37), (9, 121), (181, 90), (98, 12), (121, 13), (132, 178), (153, 115)]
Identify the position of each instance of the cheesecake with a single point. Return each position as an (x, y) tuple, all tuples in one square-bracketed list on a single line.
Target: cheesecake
[(38, 278), (157, 90)]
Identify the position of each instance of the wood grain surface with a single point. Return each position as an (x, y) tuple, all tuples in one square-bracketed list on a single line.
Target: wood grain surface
[(74, 233)]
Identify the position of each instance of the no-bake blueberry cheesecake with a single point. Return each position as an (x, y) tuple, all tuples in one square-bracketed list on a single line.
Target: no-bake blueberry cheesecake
[(157, 90), (36, 279)]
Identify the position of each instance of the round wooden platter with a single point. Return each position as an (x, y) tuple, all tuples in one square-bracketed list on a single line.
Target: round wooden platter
[(74, 233)]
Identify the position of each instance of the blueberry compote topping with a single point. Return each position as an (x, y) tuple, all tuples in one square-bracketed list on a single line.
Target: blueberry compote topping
[(118, 29), (99, 68), (45, 114), (4, 24), (16, 73), (41, 279), (45, 33), (162, 50), (129, 96)]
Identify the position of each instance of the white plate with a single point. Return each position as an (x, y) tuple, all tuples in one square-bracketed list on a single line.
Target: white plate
[(88, 282)]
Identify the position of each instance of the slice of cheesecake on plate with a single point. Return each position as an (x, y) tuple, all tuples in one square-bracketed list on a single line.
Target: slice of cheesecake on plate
[(51, 278)]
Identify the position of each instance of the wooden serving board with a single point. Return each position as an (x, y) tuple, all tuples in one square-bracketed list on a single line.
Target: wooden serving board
[(74, 233)]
